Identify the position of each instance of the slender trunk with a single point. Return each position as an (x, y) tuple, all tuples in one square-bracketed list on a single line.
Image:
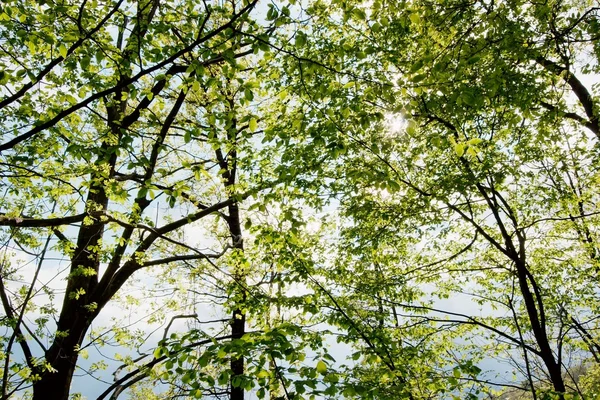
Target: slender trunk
[(541, 337), (238, 323), (532, 296), (238, 328), (238, 318)]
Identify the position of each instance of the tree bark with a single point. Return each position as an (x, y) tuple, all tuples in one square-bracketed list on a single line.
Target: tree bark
[(238, 322)]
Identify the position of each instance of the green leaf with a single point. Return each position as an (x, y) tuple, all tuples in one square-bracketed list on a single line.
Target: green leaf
[(263, 374), (474, 59), (468, 98), (417, 66), (321, 367), (459, 149), (223, 378), (158, 352), (252, 125), (300, 39), (85, 62), (418, 78), (393, 186), (62, 50)]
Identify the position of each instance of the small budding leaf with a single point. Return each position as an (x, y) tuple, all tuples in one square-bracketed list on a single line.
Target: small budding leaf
[(263, 374), (300, 39), (321, 367), (415, 18), (62, 50), (157, 352), (474, 141), (459, 149), (252, 124)]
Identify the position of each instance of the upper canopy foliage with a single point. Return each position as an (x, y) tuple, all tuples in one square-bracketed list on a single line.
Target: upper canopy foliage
[(415, 179)]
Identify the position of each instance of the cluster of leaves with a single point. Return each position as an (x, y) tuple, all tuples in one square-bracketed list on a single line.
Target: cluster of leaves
[(182, 146), (483, 192), (132, 132)]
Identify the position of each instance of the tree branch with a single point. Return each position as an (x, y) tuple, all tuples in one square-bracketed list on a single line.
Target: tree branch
[(26, 222), (584, 96)]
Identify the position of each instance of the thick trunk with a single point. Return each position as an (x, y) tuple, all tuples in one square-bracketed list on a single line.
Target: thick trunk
[(74, 321), (79, 307), (62, 356), (556, 377), (56, 386), (77, 311)]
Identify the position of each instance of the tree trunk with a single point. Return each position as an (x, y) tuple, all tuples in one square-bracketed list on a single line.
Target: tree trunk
[(536, 318), (56, 386), (77, 311), (238, 323), (62, 356), (238, 327)]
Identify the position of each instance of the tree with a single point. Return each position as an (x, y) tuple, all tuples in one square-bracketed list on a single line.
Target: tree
[(486, 191), (127, 127), (183, 144)]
